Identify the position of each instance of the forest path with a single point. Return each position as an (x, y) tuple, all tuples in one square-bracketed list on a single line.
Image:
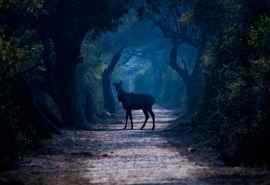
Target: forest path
[(110, 155)]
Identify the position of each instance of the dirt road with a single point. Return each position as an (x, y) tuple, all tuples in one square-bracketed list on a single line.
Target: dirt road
[(110, 155)]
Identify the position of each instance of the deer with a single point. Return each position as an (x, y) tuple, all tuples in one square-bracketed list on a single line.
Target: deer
[(133, 101)]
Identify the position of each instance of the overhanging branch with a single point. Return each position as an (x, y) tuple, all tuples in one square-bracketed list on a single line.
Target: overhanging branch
[(173, 62)]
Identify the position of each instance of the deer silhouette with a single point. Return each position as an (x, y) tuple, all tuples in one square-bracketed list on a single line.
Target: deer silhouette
[(133, 101)]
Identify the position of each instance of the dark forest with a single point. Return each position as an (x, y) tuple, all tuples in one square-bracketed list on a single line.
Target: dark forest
[(134, 92)]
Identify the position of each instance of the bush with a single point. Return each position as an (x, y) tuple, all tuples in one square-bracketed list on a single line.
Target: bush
[(234, 113), (20, 123)]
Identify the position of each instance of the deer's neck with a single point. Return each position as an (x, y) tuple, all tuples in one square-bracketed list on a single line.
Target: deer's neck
[(121, 94)]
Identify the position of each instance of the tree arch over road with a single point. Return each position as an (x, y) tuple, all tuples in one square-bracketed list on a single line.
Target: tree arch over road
[(66, 23)]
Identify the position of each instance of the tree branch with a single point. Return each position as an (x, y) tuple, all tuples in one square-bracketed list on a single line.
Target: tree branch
[(173, 62), (114, 61)]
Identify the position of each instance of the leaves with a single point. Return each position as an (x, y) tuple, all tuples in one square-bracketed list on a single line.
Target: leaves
[(19, 50), (259, 34), (31, 6), (187, 17), (235, 108)]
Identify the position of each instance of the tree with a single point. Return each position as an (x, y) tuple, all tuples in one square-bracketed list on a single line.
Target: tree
[(192, 79), (67, 23), (23, 124), (174, 18), (234, 113), (109, 102), (31, 33)]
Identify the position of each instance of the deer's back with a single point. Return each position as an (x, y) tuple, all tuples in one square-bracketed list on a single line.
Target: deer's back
[(137, 101)]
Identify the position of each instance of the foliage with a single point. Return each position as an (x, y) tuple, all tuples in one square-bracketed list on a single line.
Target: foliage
[(168, 87), (258, 37), (32, 6), (90, 77), (67, 24), (19, 52), (234, 112), (186, 18), (32, 81)]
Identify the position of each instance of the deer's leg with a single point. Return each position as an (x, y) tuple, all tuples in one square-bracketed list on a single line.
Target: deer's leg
[(146, 118), (130, 116), (127, 115), (153, 117)]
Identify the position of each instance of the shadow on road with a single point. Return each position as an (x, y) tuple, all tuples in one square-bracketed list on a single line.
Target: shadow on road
[(108, 155)]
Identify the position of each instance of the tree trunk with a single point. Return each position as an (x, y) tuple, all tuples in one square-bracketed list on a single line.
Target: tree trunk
[(193, 90), (195, 86), (67, 56), (192, 81), (109, 102)]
